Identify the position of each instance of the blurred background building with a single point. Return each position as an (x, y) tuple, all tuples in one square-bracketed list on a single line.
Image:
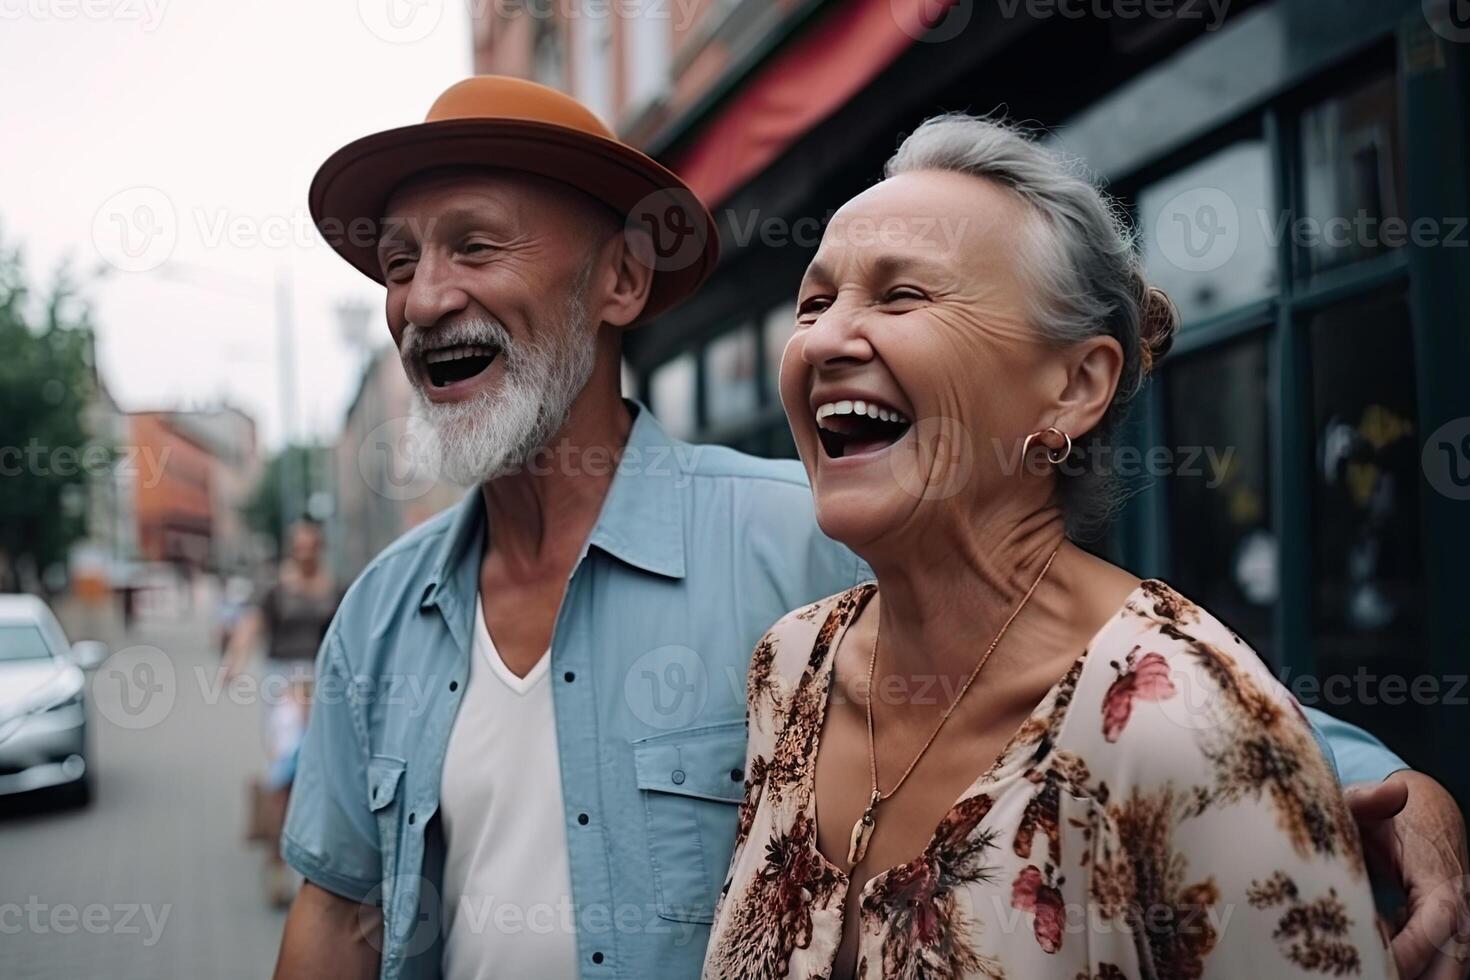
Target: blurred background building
[(235, 470), (173, 498), (1235, 134)]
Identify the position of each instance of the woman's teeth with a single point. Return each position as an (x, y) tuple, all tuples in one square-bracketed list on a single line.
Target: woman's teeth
[(859, 407), (856, 427)]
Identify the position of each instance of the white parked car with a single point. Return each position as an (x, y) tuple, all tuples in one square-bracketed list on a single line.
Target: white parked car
[(43, 709)]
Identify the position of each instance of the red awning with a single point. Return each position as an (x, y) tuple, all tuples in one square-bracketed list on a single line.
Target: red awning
[(801, 85)]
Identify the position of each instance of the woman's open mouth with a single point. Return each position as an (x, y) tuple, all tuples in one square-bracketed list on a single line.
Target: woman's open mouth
[(444, 366), (857, 427)]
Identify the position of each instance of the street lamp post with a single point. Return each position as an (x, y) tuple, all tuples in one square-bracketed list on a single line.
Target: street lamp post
[(292, 494)]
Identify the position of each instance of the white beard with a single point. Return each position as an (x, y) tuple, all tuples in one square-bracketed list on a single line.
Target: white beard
[(496, 432)]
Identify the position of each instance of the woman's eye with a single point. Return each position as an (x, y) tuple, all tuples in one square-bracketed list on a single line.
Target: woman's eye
[(811, 308)]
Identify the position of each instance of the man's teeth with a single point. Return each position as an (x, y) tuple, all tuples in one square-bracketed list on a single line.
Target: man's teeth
[(859, 407), (442, 354)]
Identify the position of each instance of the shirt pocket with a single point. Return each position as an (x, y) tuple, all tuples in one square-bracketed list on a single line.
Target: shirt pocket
[(691, 781)]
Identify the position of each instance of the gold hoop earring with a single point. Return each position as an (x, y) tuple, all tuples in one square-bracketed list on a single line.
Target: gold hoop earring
[(1053, 456)]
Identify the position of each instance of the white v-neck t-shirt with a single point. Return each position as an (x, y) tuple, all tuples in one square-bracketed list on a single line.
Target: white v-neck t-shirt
[(507, 878)]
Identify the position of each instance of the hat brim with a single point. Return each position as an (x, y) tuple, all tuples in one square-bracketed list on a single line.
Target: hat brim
[(351, 189)]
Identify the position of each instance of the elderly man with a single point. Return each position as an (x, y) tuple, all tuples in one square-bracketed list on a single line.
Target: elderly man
[(525, 753)]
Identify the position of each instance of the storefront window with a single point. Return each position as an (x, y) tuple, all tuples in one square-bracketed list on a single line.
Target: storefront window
[(1368, 569), (1352, 177), (672, 389), (731, 393), (1224, 549), (1208, 231)]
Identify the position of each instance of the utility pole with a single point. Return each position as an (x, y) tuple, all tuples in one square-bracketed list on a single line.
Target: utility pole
[(293, 493)]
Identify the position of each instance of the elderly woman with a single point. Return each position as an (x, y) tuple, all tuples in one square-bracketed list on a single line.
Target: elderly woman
[(1008, 757)]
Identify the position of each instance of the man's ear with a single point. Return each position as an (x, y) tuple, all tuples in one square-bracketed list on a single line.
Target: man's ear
[(1093, 368), (628, 278)]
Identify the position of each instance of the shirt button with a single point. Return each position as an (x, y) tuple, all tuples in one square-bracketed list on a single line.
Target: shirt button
[(736, 775), (569, 677), (598, 957), (410, 818), (582, 819), (678, 777), (454, 685)]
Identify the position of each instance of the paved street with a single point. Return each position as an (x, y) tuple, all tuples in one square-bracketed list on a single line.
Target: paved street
[(153, 879)]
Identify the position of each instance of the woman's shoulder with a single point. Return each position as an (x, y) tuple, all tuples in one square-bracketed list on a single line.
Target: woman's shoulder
[(798, 641), (1190, 638), (1167, 678), (806, 624)]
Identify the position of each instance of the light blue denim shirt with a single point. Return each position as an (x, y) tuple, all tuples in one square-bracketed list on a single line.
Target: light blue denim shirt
[(697, 551)]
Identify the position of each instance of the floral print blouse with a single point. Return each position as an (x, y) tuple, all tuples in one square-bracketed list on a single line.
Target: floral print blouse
[(1165, 812)]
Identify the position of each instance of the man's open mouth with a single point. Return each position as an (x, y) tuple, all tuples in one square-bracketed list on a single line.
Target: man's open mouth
[(855, 427), (445, 365)]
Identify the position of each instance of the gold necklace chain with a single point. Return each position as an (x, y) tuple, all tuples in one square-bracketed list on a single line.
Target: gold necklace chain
[(862, 830)]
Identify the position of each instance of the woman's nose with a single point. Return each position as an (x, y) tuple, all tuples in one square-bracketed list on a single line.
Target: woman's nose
[(835, 338)]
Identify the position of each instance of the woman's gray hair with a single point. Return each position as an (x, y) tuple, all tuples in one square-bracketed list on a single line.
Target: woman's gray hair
[(1083, 267)]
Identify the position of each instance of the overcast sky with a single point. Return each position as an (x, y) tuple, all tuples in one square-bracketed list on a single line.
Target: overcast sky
[(173, 142)]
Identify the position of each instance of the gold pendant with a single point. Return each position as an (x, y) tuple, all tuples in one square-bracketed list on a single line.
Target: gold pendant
[(862, 830)]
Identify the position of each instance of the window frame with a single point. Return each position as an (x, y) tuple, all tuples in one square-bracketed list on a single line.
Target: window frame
[(1284, 318)]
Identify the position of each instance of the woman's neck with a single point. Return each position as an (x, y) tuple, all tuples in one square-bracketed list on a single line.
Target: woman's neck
[(945, 597)]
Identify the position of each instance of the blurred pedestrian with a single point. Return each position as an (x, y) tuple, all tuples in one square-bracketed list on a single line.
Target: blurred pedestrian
[(293, 615), (230, 610)]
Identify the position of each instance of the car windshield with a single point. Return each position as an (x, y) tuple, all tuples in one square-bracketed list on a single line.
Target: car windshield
[(22, 641)]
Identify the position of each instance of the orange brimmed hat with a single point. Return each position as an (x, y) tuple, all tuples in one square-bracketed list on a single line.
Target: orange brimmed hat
[(510, 123)]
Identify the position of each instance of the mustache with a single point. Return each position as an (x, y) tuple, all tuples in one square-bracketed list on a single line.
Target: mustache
[(486, 331)]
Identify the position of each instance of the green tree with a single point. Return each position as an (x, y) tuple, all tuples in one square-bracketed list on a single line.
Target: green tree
[(46, 381), (291, 474)]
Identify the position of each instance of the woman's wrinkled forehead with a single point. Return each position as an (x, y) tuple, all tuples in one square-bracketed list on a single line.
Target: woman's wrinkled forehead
[(933, 222), (927, 218)]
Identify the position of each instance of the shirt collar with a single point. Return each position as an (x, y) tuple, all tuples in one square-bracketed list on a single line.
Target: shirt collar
[(642, 519)]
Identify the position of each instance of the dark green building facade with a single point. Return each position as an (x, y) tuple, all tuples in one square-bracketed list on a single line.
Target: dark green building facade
[(1297, 172)]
